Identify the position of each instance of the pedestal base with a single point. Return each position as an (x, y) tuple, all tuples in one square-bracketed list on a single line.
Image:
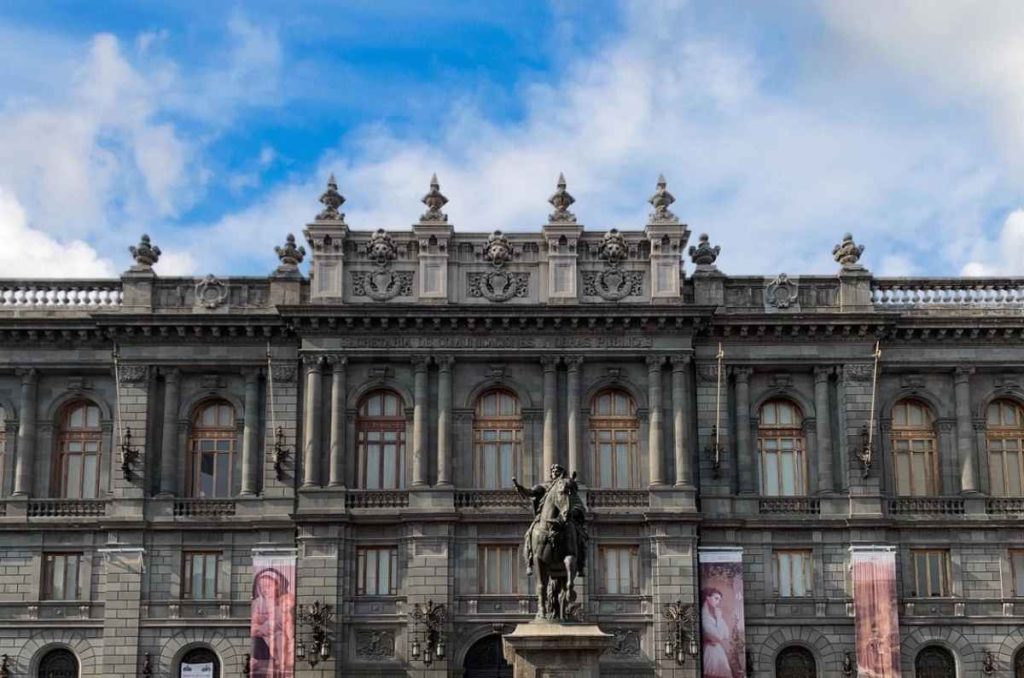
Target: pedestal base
[(542, 650)]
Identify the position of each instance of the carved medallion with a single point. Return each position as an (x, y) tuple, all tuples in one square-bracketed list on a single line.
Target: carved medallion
[(382, 283), (613, 284), (627, 644), (498, 285), (375, 645), (211, 292), (780, 293)]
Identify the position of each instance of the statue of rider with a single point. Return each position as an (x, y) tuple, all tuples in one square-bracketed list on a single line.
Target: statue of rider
[(575, 522)]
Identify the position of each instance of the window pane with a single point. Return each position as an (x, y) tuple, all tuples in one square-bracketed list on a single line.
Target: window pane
[(73, 483), (788, 475), (57, 573), (383, 572), (1018, 573), (373, 468), (390, 467), (206, 486), (785, 585), (223, 475), (771, 474), (89, 476)]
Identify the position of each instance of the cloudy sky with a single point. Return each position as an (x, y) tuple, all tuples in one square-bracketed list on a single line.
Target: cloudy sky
[(779, 125)]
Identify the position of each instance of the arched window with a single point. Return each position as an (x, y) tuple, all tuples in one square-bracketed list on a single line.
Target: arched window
[(58, 663), (77, 474), (497, 438), (485, 659), (613, 439), (780, 441), (913, 446), (200, 661), (212, 450), (1005, 438), (795, 662), (1018, 664), (380, 438), (934, 662)]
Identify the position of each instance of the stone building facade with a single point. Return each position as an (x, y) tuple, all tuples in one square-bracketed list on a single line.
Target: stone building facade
[(156, 433)]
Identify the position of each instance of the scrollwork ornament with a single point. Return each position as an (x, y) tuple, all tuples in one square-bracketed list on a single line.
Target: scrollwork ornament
[(211, 292), (133, 374), (382, 284), (781, 293), (375, 645), (284, 374)]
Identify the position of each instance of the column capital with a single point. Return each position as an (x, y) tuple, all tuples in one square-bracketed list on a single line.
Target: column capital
[(962, 374), (549, 362), (420, 363), (654, 362), (680, 362), (742, 374), (337, 362), (444, 362), (573, 362), (312, 362), (252, 375), (28, 375), (171, 374), (822, 373)]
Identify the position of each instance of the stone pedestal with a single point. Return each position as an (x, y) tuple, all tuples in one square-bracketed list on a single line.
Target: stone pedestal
[(543, 650)]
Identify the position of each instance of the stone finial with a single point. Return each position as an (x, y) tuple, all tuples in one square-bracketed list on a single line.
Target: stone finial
[(661, 200), (561, 200), (145, 253), (381, 249), (498, 249), (331, 201), (703, 254), (434, 200), (290, 255), (847, 253)]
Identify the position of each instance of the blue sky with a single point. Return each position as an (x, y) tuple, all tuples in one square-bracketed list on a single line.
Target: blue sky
[(778, 124)]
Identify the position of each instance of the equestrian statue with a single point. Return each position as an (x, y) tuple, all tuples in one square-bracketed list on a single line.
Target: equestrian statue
[(555, 546)]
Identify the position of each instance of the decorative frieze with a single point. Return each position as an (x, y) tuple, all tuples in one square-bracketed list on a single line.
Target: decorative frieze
[(375, 645)]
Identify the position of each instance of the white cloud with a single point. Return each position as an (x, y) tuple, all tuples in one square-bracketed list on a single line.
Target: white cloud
[(1004, 255), (28, 253)]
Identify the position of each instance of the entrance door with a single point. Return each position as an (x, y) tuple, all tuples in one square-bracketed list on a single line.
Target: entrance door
[(795, 662), (485, 660), (934, 662), (59, 664), (200, 663)]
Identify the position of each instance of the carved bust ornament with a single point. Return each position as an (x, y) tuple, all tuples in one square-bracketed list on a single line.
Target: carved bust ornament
[(331, 200), (613, 283), (661, 200), (498, 284), (382, 283), (435, 201), (561, 200)]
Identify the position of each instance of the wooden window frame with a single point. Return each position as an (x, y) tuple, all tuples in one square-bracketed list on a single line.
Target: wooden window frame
[(511, 579), (998, 435), (188, 560), (808, 574), (84, 436), (49, 575), (904, 439), (380, 424), (362, 572), (510, 426), (774, 433), (614, 425), (634, 569), (945, 573), (200, 434)]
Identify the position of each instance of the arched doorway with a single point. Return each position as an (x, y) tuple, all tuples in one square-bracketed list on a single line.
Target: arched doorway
[(795, 662), (1018, 664), (934, 662), (486, 660), (200, 662), (59, 663)]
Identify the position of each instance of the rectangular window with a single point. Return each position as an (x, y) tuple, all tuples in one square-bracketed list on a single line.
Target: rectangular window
[(916, 470), (1006, 471), (62, 576), (793, 573), (377, 571), (199, 575), (1017, 566), (498, 569), (497, 452), (619, 570), (615, 453), (380, 459), (931, 573)]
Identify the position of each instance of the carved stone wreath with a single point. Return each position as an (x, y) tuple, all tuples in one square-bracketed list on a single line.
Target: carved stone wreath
[(498, 285), (382, 284), (211, 292), (613, 284), (627, 644), (780, 293), (375, 645)]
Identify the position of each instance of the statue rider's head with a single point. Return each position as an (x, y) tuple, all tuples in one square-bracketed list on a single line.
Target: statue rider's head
[(557, 471)]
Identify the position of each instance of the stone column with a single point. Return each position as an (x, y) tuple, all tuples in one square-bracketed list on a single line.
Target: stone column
[(311, 426), (550, 457), (573, 365), (444, 420), (26, 434), (339, 393), (684, 474), (823, 429), (964, 431), (745, 458), (419, 423), (250, 442), (169, 437), (655, 432)]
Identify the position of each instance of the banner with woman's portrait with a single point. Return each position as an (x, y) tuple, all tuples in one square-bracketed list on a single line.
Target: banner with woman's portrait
[(876, 616), (723, 645), (272, 628)]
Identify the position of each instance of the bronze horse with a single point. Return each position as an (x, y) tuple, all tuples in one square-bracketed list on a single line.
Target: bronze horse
[(556, 544)]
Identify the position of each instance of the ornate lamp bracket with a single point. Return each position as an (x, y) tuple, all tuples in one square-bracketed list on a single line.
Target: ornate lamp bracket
[(433, 618), (317, 619), (681, 636), (129, 454), (281, 453)]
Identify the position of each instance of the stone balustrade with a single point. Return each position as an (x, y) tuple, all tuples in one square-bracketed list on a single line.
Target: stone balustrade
[(928, 506), (912, 293), (789, 506), (997, 506), (66, 508), (618, 499), (60, 294), (203, 508), (369, 499), (503, 499)]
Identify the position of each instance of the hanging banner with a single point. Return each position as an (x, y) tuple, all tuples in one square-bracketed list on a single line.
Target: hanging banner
[(876, 617), (272, 630), (723, 644)]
